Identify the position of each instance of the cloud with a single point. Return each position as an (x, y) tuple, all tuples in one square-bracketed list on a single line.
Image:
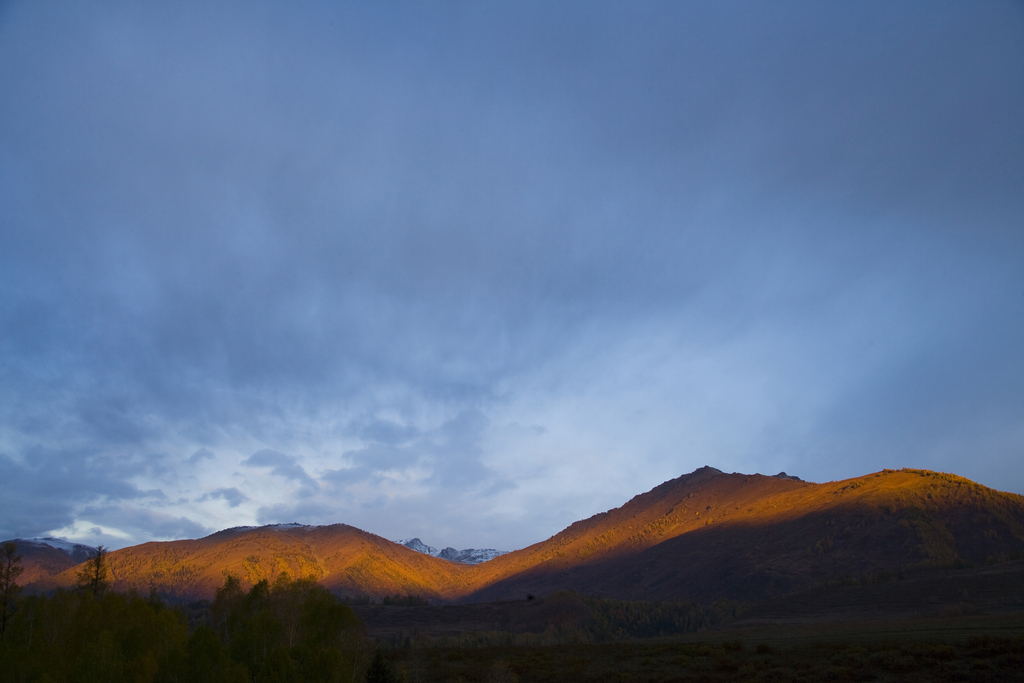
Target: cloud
[(29, 507), (232, 495), (381, 458), (384, 431), (126, 522), (360, 251), (286, 466), (200, 455), (301, 511), (451, 453)]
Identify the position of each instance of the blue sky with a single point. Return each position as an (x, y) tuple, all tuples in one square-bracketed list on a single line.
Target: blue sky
[(474, 271)]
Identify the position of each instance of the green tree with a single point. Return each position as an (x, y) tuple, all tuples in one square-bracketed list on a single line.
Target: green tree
[(227, 607), (92, 577), (76, 638), (10, 570)]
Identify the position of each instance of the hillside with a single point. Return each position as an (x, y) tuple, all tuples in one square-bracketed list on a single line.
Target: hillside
[(705, 535), (710, 535), (676, 507), (42, 558), (344, 559)]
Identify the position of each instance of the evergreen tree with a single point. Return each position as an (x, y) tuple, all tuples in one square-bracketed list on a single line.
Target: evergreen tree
[(10, 570), (380, 670), (92, 577)]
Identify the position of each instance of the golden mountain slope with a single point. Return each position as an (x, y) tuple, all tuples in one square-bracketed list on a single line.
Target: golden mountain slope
[(703, 535), (759, 536), (346, 560), (675, 507)]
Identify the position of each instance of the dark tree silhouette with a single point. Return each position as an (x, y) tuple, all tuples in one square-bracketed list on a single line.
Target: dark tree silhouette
[(92, 576), (380, 670), (10, 570)]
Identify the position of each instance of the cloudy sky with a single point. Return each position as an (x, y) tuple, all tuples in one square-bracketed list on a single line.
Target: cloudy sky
[(472, 271)]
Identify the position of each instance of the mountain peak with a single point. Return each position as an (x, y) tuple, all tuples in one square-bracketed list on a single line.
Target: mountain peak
[(419, 546), (465, 556)]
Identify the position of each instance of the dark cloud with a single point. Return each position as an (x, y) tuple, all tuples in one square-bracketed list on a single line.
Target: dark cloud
[(232, 495), (286, 466), (363, 244), (380, 457), (451, 452), (200, 455), (29, 506), (386, 432), (302, 511)]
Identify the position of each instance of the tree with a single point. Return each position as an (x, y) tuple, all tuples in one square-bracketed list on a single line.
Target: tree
[(92, 576), (10, 570), (380, 670)]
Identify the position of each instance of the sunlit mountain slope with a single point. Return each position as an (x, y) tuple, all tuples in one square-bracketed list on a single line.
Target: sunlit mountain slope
[(704, 535), (710, 535), (346, 560)]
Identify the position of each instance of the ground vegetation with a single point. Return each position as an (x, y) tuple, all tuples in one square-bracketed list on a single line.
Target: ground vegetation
[(285, 631)]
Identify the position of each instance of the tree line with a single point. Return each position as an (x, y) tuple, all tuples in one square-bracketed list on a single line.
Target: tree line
[(285, 631)]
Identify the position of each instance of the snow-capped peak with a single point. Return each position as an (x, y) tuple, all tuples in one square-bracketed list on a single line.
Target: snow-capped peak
[(419, 546), (471, 555), (76, 551), (467, 556), (286, 525)]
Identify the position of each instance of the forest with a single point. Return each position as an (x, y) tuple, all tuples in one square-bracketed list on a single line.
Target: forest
[(291, 630)]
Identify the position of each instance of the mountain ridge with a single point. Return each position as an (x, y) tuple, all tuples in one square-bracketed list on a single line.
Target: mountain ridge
[(47, 556), (465, 556), (704, 535)]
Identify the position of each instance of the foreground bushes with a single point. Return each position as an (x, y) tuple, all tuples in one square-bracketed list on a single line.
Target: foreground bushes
[(291, 631)]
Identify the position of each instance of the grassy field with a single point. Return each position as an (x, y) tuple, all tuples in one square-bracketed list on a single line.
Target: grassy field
[(921, 628), (938, 649)]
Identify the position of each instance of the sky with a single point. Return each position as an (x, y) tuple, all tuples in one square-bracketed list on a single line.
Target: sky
[(472, 271)]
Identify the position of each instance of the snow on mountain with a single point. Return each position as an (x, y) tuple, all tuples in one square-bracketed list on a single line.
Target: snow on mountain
[(286, 525), (466, 556), (76, 551), (471, 555), (419, 546)]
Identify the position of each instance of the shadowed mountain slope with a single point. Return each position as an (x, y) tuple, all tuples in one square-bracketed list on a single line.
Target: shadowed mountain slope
[(43, 558), (746, 537), (675, 507), (703, 536)]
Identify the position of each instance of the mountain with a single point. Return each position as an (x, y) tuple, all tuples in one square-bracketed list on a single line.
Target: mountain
[(348, 561), (45, 557), (466, 556), (709, 535), (420, 547), (471, 555), (705, 535)]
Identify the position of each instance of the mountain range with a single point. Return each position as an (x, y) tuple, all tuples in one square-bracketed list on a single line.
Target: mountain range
[(705, 535), (466, 556)]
